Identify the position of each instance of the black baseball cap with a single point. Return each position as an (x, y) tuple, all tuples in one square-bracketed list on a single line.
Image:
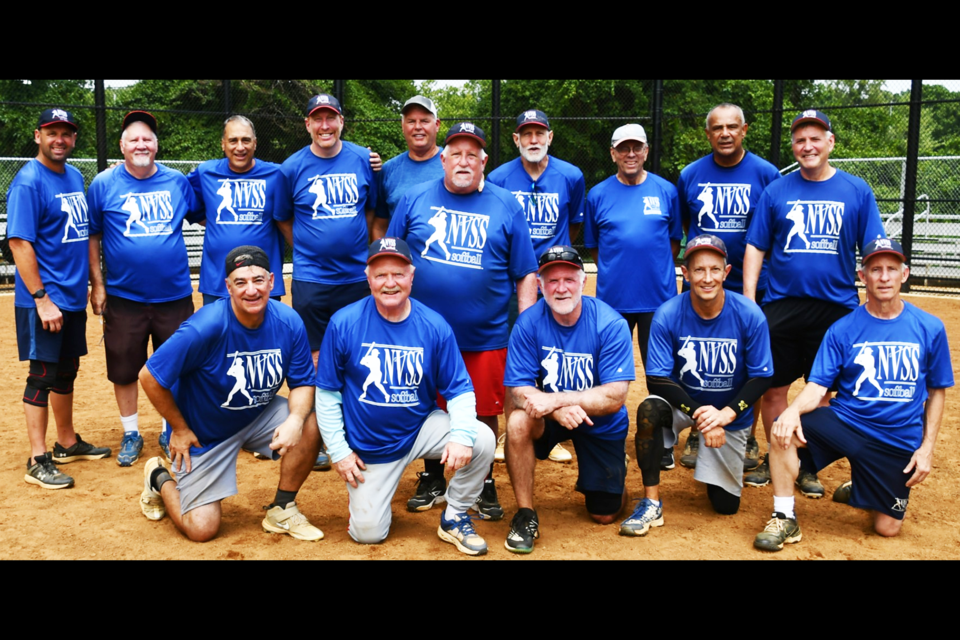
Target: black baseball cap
[(389, 247), (247, 256), (56, 116), (532, 116), (140, 116), (560, 254)]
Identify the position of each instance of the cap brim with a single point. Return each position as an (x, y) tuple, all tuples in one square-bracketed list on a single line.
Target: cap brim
[(69, 124), (700, 247), (556, 262), (464, 134), (892, 252), (395, 254)]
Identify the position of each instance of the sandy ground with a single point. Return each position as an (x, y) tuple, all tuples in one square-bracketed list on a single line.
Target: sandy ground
[(100, 518)]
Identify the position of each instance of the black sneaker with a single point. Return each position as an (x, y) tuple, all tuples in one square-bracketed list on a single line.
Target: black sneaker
[(809, 485), (429, 492), (524, 529), (667, 462), (487, 505), (79, 451), (44, 473), (842, 493), (759, 477)]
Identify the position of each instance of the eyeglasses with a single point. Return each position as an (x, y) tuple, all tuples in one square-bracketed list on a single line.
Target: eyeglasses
[(625, 149)]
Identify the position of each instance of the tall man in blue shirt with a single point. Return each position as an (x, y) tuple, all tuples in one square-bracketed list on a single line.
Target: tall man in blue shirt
[(48, 228)]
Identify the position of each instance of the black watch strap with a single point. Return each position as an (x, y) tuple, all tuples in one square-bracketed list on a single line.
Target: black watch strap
[(39, 293)]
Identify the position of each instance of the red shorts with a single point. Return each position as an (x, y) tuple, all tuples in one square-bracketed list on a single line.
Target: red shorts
[(486, 369)]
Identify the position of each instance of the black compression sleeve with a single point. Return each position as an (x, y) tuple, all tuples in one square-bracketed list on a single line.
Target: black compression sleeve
[(748, 394), (672, 393)]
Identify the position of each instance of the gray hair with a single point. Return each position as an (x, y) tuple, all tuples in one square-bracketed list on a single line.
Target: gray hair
[(238, 118), (725, 105)]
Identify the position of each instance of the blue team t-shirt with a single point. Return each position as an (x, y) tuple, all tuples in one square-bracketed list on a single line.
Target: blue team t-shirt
[(551, 203), (595, 351), (883, 369), (389, 374), (721, 201), (142, 226), (48, 209), (469, 252), (223, 375), (330, 198), (632, 226), (811, 231), (711, 359), (239, 209), (401, 173)]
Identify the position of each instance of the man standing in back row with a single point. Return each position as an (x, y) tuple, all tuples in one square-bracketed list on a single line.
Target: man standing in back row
[(811, 223), (718, 195)]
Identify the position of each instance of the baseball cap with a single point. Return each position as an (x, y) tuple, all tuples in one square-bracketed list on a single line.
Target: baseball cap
[(323, 101), (389, 247), (811, 116), (467, 129), (420, 101), (882, 245), (247, 256), (56, 116), (560, 254), (705, 241), (140, 116), (532, 116), (628, 132)]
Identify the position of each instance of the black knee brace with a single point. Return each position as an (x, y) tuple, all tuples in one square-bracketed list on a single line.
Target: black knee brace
[(724, 503), (653, 416), (41, 378), (66, 374)]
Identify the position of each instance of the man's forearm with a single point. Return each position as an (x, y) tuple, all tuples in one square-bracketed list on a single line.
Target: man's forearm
[(598, 401), (96, 274), (286, 230), (809, 398), (936, 399), (26, 260), (526, 292), (752, 263), (300, 401), (162, 400)]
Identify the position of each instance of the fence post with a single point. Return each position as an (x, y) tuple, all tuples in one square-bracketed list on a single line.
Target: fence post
[(776, 123), (338, 91), (227, 103), (657, 121), (495, 125), (100, 98), (910, 180)]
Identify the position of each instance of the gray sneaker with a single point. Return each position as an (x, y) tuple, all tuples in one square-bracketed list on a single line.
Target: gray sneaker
[(42, 472), (751, 457), (690, 450)]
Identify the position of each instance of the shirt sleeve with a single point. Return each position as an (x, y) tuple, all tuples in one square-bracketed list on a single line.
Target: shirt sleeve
[(660, 347), (939, 368), (195, 211), (829, 360), (23, 212), (616, 352), (591, 232), (758, 234), (301, 372), (674, 224), (578, 195), (523, 366), (383, 211), (522, 259), (95, 206), (194, 179), (758, 356)]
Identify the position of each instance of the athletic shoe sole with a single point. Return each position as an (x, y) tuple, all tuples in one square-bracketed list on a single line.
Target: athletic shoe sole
[(448, 537), (29, 478)]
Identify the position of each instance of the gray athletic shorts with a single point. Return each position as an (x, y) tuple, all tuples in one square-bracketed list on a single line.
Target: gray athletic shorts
[(722, 467), (213, 475)]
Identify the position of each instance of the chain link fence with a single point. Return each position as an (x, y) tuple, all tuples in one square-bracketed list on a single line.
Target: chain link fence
[(911, 164)]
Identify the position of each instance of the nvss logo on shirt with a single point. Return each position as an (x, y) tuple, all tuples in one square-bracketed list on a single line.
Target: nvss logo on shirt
[(725, 206), (241, 201), (542, 211), (816, 226), (148, 214), (336, 194), (710, 362), (75, 223), (566, 371), (458, 238), (890, 371), (394, 375), (257, 376)]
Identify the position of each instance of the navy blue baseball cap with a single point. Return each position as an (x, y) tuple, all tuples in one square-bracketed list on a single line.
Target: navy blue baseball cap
[(532, 116), (56, 116), (140, 116), (705, 241), (389, 247), (882, 245), (811, 116), (467, 129), (323, 101), (560, 254)]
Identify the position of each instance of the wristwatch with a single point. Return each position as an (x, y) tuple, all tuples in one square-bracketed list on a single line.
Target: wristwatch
[(39, 293)]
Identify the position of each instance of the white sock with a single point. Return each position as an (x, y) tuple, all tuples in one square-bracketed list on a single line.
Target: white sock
[(130, 423), (450, 513), (784, 506), (656, 503)]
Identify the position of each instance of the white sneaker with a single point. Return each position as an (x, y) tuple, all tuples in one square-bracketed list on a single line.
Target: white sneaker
[(500, 455), (291, 522), (559, 454), (150, 501)]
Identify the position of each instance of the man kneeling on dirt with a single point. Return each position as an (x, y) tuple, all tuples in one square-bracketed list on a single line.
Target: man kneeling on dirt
[(215, 381), (891, 363)]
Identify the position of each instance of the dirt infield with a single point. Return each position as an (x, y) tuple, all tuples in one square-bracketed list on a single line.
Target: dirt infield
[(100, 517)]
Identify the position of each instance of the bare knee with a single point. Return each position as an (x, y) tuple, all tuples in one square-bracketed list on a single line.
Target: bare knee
[(886, 526), (521, 427), (202, 524)]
